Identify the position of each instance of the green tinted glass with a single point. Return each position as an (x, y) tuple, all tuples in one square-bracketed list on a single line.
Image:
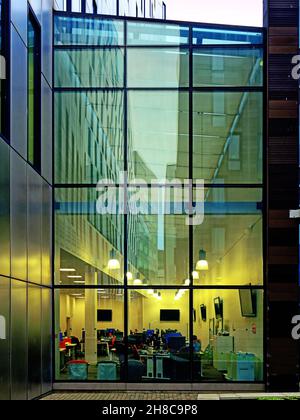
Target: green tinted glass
[(228, 134), (227, 67), (230, 237), (158, 135), (239, 353), (84, 31), (158, 249), (89, 136), (89, 67), (87, 236), (156, 34), (153, 67)]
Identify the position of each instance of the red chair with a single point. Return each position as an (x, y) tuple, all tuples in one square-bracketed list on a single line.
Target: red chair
[(111, 345)]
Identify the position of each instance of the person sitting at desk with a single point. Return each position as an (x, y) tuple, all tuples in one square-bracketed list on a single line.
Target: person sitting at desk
[(196, 344)]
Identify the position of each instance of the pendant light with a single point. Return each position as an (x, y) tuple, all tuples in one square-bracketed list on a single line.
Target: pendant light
[(113, 263), (202, 264)]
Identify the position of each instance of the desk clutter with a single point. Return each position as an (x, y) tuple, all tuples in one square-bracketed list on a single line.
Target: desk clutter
[(156, 355), (152, 354)]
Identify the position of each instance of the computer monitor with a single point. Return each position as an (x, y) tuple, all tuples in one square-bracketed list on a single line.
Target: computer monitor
[(119, 335), (110, 330), (176, 343), (170, 335), (135, 339), (150, 333), (101, 334)]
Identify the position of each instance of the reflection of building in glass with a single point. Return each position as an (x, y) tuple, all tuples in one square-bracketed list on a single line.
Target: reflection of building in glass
[(153, 9), (146, 101), (146, 298)]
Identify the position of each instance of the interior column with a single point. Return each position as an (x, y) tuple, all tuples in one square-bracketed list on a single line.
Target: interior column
[(91, 318)]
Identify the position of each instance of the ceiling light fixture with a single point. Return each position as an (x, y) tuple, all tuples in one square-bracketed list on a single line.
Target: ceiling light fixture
[(113, 263), (202, 264)]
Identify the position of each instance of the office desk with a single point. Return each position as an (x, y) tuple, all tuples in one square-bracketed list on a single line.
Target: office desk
[(62, 354), (102, 345), (161, 360), (155, 362), (71, 350)]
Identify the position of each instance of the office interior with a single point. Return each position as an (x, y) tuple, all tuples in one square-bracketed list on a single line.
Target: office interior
[(225, 345)]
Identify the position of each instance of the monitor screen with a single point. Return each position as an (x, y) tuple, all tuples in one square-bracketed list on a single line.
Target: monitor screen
[(104, 315), (203, 312), (176, 343), (248, 303), (167, 315), (218, 308)]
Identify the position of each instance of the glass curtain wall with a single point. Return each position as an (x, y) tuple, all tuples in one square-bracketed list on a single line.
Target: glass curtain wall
[(152, 119)]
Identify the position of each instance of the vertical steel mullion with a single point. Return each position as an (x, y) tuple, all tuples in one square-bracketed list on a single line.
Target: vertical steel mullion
[(125, 229), (191, 247)]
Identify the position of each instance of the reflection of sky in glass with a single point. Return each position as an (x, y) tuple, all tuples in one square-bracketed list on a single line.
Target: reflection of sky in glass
[(233, 12)]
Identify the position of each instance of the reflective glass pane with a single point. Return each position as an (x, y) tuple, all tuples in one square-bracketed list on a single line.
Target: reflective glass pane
[(89, 67), (79, 31), (228, 244), (90, 328), (228, 335), (228, 67), (153, 67), (4, 338), (158, 249), (214, 36), (31, 91), (228, 137), (158, 135), (34, 342), (18, 340), (159, 327), (156, 34), (86, 240), (89, 130), (5, 241), (1, 68)]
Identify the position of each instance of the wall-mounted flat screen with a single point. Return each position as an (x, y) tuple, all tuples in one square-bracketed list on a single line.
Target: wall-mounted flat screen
[(248, 303), (203, 312), (104, 315), (169, 315), (218, 303)]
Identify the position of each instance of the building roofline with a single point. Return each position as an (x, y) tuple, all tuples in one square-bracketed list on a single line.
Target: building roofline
[(162, 21)]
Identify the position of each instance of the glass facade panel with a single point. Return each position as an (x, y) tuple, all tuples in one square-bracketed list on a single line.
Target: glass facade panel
[(153, 67), (214, 36), (5, 239), (91, 328), (126, 248), (1, 64), (31, 92), (156, 34), (86, 240), (82, 68), (158, 135), (228, 137), (4, 338), (231, 237), (158, 326), (34, 92), (228, 335), (158, 249), (90, 132), (83, 31), (18, 340), (227, 67)]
